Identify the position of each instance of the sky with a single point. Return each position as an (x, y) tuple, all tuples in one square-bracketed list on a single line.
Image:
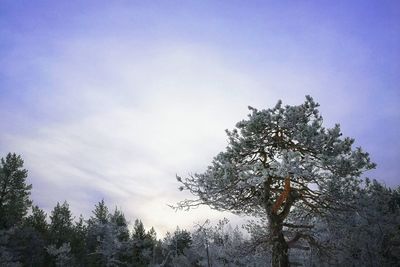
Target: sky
[(111, 99)]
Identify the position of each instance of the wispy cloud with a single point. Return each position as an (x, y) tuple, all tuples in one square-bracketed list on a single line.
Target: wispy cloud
[(117, 101)]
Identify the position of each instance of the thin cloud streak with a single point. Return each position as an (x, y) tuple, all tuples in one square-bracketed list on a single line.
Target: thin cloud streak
[(115, 102), (131, 154)]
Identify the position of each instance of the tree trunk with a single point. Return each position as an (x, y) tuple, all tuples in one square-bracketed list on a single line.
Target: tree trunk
[(285, 200), (280, 257)]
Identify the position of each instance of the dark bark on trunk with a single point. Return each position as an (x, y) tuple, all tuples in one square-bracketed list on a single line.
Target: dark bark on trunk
[(280, 257)]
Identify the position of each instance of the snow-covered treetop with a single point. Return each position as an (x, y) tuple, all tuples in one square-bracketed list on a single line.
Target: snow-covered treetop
[(271, 145)]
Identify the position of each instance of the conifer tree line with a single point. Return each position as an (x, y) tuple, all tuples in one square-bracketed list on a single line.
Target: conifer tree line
[(30, 237), (266, 172), (368, 236)]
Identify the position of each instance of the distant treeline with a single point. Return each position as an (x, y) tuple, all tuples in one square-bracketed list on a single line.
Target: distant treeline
[(368, 235)]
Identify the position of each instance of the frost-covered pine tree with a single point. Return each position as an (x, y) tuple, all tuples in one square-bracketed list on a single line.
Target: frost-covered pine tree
[(61, 233), (37, 220), (141, 253), (62, 254), (61, 226), (14, 192), (222, 245), (107, 237), (176, 249), (277, 161), (369, 235)]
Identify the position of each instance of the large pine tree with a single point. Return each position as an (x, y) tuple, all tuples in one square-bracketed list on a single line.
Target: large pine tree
[(278, 161)]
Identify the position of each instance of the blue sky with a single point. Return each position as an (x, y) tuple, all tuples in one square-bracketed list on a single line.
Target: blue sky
[(110, 99)]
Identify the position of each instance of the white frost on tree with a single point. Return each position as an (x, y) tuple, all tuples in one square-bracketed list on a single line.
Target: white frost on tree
[(279, 161), (62, 254)]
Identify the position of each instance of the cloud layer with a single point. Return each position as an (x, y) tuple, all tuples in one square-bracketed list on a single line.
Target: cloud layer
[(112, 101)]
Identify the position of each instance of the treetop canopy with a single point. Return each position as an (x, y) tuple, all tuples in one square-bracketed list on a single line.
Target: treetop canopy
[(270, 146)]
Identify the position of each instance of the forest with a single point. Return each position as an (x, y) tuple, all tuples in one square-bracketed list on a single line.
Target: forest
[(300, 185), (366, 236)]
